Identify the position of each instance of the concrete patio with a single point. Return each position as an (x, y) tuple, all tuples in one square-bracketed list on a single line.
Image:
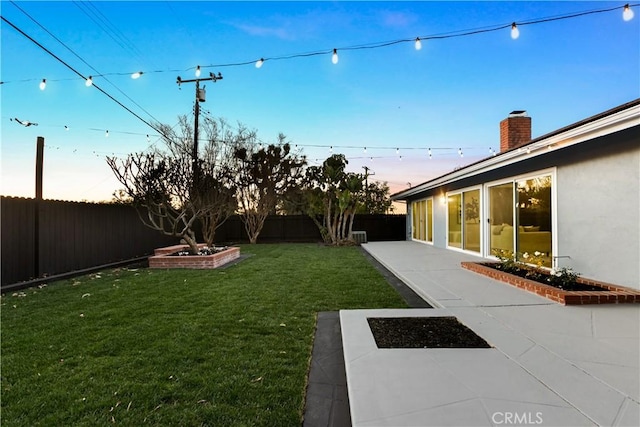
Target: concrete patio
[(550, 365)]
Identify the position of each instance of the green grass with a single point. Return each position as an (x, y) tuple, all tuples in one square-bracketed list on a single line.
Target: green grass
[(178, 347)]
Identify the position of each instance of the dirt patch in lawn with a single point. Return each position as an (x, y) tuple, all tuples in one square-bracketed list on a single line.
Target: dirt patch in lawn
[(423, 332)]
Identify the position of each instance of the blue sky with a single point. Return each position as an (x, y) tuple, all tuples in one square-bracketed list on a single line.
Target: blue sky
[(450, 94)]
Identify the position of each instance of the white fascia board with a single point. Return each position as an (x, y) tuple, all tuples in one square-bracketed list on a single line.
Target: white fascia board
[(615, 122)]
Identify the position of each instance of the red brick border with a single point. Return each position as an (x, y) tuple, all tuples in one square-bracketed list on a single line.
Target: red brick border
[(613, 295), (161, 259)]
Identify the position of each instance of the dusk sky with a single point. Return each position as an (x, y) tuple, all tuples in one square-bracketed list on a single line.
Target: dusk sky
[(394, 100)]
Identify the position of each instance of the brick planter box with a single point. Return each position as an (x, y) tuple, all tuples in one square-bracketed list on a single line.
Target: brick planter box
[(614, 294), (162, 258)]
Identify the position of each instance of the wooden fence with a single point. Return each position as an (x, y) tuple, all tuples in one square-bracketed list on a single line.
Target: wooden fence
[(72, 236)]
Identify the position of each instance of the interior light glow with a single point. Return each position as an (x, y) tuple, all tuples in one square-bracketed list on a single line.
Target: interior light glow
[(418, 43), (627, 13), (89, 81), (43, 84), (334, 57), (259, 62), (515, 32)]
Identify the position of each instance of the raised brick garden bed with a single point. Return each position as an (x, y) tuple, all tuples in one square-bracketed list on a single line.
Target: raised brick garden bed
[(613, 294), (163, 258)]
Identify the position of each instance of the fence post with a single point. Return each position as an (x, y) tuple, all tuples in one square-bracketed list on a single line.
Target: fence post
[(36, 216)]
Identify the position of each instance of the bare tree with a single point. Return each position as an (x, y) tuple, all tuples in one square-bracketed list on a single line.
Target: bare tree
[(158, 186), (264, 177), (171, 194), (217, 186)]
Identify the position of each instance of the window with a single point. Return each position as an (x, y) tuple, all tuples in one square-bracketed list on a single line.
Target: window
[(454, 219), (533, 214), (471, 232), (501, 218), (422, 220), (464, 220)]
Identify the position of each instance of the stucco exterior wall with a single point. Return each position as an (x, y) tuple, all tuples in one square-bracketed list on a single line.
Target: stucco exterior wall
[(599, 217)]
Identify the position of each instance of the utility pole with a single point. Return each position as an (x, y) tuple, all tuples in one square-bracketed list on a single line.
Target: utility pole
[(200, 97), (366, 185)]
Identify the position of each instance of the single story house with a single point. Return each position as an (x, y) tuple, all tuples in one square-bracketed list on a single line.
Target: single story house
[(572, 196)]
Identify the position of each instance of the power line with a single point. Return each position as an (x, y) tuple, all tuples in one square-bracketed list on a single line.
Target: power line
[(80, 74), (82, 59)]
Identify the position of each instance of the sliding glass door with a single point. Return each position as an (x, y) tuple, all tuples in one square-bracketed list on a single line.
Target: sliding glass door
[(520, 218)]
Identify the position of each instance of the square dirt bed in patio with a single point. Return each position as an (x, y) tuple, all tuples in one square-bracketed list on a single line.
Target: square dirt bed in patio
[(611, 294), (164, 258)]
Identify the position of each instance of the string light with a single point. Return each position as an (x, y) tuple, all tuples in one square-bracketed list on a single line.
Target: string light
[(627, 13), (43, 84), (397, 151), (89, 81), (430, 156), (66, 127), (460, 152), (106, 134), (365, 150), (515, 32)]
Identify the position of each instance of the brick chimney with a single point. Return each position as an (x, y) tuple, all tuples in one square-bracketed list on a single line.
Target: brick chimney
[(515, 130)]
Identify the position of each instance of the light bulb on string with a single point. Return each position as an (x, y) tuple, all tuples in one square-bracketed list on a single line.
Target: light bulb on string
[(106, 134), (397, 151), (418, 43), (66, 127), (334, 57), (259, 62), (365, 150), (627, 13), (148, 139), (136, 75), (331, 149), (515, 32), (198, 71), (89, 81), (43, 84), (430, 155), (460, 152)]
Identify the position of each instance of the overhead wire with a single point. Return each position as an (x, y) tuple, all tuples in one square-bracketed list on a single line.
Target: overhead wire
[(80, 74), (97, 73)]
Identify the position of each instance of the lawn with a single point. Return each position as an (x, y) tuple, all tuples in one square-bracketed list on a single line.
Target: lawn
[(178, 347)]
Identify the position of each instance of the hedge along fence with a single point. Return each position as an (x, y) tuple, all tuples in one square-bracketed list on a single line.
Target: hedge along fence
[(75, 236)]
